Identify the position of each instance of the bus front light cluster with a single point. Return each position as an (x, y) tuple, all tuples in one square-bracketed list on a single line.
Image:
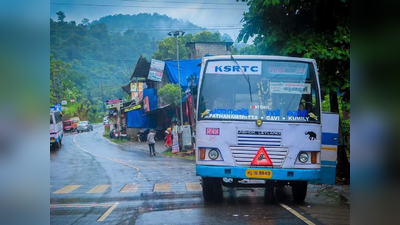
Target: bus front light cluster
[(303, 157), (209, 154), (213, 154)]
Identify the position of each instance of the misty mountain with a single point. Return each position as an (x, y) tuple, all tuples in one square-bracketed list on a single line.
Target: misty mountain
[(105, 51), (156, 26)]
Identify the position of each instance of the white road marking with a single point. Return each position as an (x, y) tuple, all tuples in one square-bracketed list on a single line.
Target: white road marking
[(113, 160)]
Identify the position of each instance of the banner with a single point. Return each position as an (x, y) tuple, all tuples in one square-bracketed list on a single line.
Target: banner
[(146, 105), (186, 136), (175, 140), (156, 70)]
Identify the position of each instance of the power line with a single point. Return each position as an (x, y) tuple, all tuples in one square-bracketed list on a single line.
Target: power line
[(141, 6)]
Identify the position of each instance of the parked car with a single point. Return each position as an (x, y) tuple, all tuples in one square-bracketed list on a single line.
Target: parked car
[(84, 126), (69, 126)]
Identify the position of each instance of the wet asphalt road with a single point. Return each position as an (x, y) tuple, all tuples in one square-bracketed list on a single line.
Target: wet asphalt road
[(94, 181)]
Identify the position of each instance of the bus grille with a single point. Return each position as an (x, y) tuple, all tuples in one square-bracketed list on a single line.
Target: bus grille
[(259, 138), (244, 155)]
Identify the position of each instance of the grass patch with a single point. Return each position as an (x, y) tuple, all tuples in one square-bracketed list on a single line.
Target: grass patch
[(181, 155), (117, 141)]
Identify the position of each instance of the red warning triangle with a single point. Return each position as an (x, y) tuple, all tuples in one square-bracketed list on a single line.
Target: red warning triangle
[(261, 158)]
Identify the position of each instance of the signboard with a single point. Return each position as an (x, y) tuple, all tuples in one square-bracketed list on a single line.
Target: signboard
[(133, 108), (113, 103), (64, 102), (156, 70), (186, 136), (137, 87), (233, 68), (290, 88), (57, 107)]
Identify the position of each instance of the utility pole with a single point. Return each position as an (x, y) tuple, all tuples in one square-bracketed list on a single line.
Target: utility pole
[(176, 34), (102, 98)]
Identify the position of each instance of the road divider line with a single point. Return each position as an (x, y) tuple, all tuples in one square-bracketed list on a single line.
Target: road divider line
[(305, 220), (113, 160), (79, 205), (130, 188), (67, 189), (193, 187), (104, 216), (162, 187), (98, 189)]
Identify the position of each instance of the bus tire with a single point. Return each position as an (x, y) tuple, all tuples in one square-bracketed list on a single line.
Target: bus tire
[(269, 192), (212, 188), (207, 184), (299, 190)]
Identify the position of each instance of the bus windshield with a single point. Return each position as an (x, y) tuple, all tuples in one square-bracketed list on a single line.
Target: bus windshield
[(269, 90)]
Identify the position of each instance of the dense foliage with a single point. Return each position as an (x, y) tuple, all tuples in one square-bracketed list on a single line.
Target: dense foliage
[(313, 29), (90, 61)]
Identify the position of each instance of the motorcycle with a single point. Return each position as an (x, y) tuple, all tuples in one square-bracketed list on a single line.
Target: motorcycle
[(142, 134), (114, 133)]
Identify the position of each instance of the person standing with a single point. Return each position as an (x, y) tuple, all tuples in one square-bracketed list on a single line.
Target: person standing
[(168, 137), (151, 141)]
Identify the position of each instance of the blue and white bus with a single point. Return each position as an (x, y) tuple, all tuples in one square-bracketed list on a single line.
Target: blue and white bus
[(56, 129), (259, 118)]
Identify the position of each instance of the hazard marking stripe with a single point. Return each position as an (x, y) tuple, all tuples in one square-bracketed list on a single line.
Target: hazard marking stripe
[(67, 189), (193, 187), (130, 188), (329, 148), (305, 220), (161, 187), (104, 216), (98, 189)]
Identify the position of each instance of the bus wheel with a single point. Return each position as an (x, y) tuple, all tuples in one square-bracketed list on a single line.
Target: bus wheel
[(269, 192), (299, 190), (212, 188), (58, 145)]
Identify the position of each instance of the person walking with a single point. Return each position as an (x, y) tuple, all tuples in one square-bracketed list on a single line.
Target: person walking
[(151, 141)]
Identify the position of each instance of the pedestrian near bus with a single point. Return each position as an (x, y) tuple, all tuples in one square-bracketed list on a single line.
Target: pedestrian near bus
[(168, 137), (151, 141)]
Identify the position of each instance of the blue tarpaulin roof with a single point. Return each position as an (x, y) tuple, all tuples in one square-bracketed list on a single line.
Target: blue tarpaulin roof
[(187, 68), (138, 118)]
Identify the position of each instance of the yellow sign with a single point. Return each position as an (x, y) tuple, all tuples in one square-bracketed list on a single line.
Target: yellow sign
[(132, 108), (136, 87), (253, 173)]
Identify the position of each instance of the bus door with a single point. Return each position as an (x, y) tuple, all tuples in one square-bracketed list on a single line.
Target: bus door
[(329, 145)]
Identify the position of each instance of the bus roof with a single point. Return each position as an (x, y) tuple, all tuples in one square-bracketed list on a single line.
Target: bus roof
[(260, 57)]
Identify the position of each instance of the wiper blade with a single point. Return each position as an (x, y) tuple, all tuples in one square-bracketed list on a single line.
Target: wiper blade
[(246, 77)]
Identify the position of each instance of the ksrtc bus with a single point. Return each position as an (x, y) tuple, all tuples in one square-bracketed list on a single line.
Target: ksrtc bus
[(259, 118), (56, 129)]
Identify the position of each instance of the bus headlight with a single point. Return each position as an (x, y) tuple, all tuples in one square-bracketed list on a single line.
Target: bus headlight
[(213, 154), (303, 157)]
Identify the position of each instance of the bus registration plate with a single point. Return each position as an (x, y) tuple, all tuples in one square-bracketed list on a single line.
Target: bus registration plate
[(253, 173)]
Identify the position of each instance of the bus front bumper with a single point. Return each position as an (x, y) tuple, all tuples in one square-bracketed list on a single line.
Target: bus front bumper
[(258, 173)]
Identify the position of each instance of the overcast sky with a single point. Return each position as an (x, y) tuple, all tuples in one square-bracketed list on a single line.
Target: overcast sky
[(224, 15)]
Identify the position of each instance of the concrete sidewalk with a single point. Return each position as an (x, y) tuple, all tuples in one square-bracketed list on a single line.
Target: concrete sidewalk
[(143, 146)]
